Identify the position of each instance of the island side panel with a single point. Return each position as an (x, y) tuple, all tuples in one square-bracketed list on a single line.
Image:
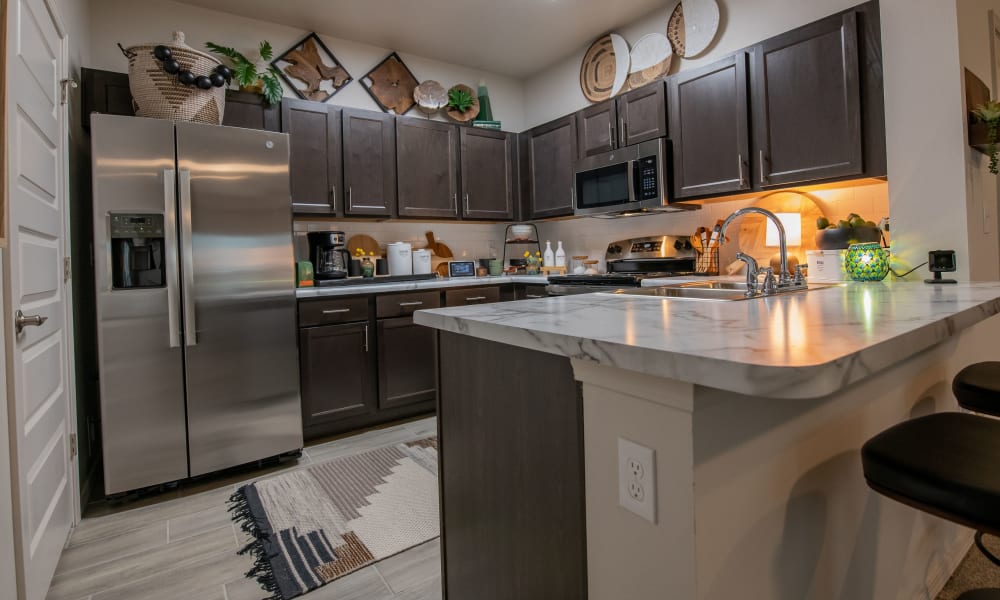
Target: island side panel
[(510, 429)]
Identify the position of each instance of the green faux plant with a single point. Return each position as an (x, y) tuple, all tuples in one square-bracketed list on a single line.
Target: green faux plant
[(245, 72), (460, 99), (989, 113)]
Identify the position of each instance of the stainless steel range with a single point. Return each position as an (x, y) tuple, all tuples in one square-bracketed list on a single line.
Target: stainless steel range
[(628, 263)]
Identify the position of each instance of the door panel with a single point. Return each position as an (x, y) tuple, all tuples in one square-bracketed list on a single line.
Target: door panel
[(316, 164), (709, 116), (42, 419), (407, 363), (369, 162), (597, 127), (427, 164), (551, 154), (240, 349), (338, 372), (142, 375), (642, 114), (807, 103), (487, 174)]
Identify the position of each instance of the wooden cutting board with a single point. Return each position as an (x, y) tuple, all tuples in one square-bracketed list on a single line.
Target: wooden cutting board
[(365, 242), (438, 248), (753, 228)]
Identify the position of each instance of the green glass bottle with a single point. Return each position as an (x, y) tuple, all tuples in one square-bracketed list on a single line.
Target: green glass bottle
[(485, 110)]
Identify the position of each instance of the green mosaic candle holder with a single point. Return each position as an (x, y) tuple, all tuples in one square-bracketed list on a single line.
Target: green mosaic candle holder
[(867, 262)]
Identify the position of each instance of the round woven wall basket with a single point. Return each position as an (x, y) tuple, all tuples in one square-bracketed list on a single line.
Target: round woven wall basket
[(159, 95)]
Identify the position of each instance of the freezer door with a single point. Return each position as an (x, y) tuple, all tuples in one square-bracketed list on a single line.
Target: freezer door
[(237, 273), (138, 330)]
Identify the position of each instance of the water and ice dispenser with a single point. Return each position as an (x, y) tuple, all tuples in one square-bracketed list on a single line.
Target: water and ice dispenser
[(137, 252)]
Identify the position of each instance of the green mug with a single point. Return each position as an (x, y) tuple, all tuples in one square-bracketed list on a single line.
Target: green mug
[(496, 267)]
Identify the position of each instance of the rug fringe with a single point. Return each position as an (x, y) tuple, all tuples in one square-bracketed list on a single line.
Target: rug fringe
[(241, 514)]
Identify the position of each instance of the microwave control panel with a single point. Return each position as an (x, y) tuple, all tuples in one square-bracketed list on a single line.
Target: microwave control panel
[(647, 179)]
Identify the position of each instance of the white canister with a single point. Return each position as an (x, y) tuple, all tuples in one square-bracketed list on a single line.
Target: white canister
[(398, 255), (421, 261)]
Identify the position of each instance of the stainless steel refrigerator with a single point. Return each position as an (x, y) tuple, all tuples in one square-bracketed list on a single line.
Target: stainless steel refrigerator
[(195, 298)]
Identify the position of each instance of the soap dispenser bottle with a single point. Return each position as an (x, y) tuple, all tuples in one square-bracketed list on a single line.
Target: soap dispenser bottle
[(548, 258), (560, 255)]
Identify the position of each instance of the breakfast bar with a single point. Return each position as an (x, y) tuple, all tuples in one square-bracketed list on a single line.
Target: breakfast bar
[(755, 411)]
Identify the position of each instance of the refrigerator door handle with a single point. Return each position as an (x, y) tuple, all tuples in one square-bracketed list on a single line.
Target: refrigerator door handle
[(187, 258), (170, 241)]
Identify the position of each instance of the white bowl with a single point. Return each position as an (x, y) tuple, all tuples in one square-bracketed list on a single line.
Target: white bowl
[(522, 232)]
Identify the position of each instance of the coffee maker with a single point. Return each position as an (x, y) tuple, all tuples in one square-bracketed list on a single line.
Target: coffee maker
[(328, 254)]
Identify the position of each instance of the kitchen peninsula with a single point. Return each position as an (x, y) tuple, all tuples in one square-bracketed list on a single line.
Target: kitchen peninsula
[(755, 411)]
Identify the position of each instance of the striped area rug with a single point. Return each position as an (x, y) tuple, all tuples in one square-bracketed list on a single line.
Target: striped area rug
[(315, 524)]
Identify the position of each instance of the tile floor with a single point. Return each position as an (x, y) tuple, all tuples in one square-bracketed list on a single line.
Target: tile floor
[(181, 543)]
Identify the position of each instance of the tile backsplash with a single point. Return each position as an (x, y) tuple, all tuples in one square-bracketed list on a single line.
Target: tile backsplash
[(466, 240)]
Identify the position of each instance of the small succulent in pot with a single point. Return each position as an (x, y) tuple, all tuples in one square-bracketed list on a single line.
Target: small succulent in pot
[(989, 113), (249, 75), (463, 105)]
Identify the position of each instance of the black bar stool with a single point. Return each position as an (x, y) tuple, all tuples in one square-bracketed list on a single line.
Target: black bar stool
[(977, 388)]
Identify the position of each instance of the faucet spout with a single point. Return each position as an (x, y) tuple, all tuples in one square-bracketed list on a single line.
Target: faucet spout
[(783, 277)]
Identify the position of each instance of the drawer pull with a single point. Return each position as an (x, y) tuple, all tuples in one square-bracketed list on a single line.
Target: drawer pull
[(415, 303), (475, 298), (334, 311), (534, 296)]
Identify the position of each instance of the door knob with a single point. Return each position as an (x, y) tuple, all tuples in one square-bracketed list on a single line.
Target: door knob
[(21, 321)]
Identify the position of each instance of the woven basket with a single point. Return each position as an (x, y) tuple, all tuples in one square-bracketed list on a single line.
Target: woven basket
[(159, 95)]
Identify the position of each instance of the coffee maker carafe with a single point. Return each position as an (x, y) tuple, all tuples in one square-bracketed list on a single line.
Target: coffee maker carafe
[(328, 254)]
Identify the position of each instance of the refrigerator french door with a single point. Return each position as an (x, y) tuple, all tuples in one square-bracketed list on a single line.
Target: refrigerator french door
[(195, 298)]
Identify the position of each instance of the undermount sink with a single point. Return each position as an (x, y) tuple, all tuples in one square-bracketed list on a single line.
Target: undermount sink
[(726, 291)]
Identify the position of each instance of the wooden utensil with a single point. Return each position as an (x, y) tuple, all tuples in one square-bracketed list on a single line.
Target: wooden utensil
[(438, 248), (365, 242)]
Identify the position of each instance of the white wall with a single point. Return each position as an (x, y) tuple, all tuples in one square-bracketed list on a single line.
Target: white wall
[(132, 22)]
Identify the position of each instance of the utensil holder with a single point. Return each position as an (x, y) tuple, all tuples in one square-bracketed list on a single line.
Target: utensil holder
[(707, 262)]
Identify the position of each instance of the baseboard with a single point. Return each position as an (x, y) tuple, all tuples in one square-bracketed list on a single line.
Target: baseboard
[(940, 578)]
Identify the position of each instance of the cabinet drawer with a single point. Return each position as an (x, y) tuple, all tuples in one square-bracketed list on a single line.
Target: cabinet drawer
[(532, 291), (402, 305), (334, 310), (479, 295)]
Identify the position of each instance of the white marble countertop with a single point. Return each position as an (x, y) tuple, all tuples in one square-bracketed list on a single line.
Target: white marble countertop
[(408, 286), (801, 345)]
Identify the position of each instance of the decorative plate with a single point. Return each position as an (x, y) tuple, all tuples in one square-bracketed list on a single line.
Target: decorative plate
[(391, 85), (312, 70), (693, 26), (470, 113), (604, 69), (651, 58), (430, 97)]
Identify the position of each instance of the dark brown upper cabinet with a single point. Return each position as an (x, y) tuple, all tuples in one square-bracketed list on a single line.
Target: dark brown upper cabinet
[(369, 163), (631, 118), (105, 92), (427, 163), (642, 114), (807, 104), (250, 111), (709, 123), (487, 174), (315, 166), (551, 153)]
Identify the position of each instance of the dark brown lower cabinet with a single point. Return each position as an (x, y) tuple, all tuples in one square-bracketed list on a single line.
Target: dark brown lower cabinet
[(407, 363), (338, 370)]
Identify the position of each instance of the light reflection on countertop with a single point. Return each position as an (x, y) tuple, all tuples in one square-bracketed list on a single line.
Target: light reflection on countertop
[(796, 345)]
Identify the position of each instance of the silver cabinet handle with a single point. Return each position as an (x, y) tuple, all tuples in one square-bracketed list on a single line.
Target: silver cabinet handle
[(21, 321), (763, 176), (170, 243), (333, 193), (611, 136), (187, 261), (350, 201), (533, 296), (475, 298), (336, 311), (454, 203), (572, 197), (416, 303), (743, 179), (466, 204), (366, 337), (623, 132)]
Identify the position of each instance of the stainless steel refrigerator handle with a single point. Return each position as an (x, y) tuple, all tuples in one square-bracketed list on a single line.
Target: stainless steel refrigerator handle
[(187, 258), (170, 241)]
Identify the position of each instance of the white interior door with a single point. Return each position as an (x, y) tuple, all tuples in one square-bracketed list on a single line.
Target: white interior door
[(45, 475)]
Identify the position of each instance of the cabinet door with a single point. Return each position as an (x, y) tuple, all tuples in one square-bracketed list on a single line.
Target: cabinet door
[(407, 363), (596, 126), (642, 114), (530, 291), (807, 104), (105, 92), (709, 115), (551, 152), (338, 371), (369, 163), (487, 174), (315, 160), (247, 110), (427, 162)]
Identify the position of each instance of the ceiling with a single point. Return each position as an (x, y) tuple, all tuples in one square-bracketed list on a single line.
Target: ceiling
[(510, 37)]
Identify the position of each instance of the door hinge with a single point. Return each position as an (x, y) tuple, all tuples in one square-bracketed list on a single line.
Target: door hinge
[(67, 268), (65, 85), (72, 446)]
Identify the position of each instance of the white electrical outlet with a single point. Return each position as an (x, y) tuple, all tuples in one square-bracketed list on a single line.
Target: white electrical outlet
[(637, 479)]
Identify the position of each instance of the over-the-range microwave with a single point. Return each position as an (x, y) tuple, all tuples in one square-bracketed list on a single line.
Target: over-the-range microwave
[(627, 181)]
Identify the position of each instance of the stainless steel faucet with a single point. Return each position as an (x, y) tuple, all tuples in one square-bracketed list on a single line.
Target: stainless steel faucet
[(753, 270), (785, 280)]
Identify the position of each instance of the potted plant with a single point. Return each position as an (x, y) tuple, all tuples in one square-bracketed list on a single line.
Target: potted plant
[(989, 113), (463, 105), (249, 75)]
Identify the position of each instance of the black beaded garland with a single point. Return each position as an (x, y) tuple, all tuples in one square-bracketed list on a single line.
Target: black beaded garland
[(218, 78)]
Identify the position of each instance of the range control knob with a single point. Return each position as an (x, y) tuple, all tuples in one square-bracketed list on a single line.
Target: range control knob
[(615, 249), (678, 245), (687, 245)]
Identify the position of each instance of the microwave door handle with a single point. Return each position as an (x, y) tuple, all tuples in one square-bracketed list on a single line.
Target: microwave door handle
[(634, 185), (187, 259), (170, 260)]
